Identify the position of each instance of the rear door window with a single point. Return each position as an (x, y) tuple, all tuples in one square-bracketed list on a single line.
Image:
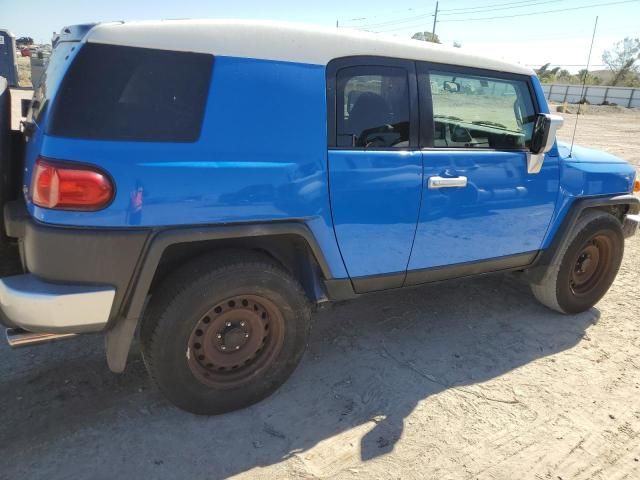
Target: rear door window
[(126, 93), (372, 105)]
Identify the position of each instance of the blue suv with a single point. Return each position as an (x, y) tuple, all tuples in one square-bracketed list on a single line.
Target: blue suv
[(207, 184)]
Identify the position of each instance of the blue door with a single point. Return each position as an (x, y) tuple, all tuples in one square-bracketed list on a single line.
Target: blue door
[(375, 167), (479, 204)]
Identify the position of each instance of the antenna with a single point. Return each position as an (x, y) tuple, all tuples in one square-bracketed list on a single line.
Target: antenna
[(584, 82)]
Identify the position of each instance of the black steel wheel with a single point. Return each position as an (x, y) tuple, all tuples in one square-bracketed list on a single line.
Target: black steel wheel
[(235, 341), (225, 332), (591, 265), (585, 268)]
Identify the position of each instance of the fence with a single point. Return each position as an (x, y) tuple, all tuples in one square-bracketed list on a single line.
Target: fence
[(594, 94)]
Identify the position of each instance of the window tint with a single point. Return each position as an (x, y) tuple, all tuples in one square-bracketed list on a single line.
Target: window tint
[(480, 112), (125, 93), (372, 105)]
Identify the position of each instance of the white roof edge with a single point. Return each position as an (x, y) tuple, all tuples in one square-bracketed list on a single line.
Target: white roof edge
[(291, 42)]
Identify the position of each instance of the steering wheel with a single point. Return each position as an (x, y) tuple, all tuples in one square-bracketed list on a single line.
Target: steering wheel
[(371, 142)]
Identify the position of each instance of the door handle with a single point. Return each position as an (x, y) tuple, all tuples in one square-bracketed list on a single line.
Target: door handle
[(444, 182)]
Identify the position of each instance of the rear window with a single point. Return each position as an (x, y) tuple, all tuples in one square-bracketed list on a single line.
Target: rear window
[(126, 93)]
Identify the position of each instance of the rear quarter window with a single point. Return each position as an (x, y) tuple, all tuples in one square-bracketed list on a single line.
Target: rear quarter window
[(127, 93)]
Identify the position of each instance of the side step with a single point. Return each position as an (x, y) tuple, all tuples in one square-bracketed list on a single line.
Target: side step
[(17, 337)]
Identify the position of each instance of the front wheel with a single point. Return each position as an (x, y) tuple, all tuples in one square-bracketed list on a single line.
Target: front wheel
[(586, 268), (225, 332)]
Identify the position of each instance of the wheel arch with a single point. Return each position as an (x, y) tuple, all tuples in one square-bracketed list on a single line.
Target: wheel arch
[(618, 206), (291, 244)]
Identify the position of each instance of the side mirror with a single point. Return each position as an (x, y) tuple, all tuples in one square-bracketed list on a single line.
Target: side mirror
[(460, 134), (451, 87), (542, 139)]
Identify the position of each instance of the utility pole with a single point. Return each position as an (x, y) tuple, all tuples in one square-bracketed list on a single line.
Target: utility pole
[(435, 19), (337, 24)]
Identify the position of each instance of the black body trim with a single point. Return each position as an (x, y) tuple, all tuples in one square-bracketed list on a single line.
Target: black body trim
[(83, 255), (548, 256), (468, 269), (161, 240), (339, 289), (375, 283)]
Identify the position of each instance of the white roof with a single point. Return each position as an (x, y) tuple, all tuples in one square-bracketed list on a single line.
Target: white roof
[(282, 41)]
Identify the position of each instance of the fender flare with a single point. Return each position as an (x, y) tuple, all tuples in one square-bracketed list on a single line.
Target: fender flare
[(119, 337), (536, 274)]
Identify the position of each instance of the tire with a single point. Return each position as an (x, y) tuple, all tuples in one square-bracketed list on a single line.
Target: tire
[(586, 266), (225, 332)]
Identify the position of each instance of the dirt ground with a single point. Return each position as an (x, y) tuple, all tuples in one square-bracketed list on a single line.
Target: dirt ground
[(462, 380)]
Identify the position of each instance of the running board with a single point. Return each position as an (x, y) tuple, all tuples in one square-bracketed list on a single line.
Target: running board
[(17, 337)]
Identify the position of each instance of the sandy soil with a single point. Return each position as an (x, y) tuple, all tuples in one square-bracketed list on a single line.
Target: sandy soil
[(468, 379)]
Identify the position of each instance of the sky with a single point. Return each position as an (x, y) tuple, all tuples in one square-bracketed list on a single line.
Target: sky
[(527, 35)]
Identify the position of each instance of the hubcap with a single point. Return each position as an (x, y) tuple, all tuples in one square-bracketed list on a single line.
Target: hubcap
[(235, 340), (591, 265)]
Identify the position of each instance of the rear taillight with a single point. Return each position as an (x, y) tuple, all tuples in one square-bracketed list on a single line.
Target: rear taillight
[(69, 187)]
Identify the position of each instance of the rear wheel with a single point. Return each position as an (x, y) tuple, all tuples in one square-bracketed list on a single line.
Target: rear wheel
[(587, 266), (225, 332)]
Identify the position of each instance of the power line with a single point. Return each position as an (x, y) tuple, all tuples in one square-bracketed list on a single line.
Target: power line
[(485, 9), (411, 21), (417, 25), (583, 7), (520, 4), (386, 21), (551, 64), (493, 5), (392, 22)]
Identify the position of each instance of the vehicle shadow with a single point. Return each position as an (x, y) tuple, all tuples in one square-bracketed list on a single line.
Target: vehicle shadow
[(370, 363)]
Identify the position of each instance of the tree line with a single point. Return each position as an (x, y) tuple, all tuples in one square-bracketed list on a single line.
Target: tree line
[(623, 68)]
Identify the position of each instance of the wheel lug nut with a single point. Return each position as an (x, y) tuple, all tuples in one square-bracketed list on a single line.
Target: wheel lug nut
[(237, 347), (223, 347), (242, 324), (219, 336), (228, 324), (246, 335)]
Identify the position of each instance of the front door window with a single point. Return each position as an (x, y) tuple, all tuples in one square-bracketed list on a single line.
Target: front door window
[(472, 111)]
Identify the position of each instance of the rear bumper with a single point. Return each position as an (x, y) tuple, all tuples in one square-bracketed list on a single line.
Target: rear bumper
[(39, 306), (631, 225), (72, 260)]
